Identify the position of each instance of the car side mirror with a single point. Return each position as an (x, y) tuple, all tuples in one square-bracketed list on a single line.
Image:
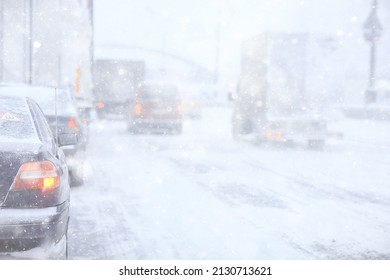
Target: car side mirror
[(67, 139)]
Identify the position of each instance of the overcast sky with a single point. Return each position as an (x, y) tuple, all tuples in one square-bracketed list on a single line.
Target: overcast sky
[(188, 27)]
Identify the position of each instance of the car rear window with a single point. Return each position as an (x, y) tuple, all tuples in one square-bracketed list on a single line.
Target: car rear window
[(15, 119), (160, 93)]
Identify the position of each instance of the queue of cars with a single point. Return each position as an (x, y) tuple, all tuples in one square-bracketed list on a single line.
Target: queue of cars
[(42, 145), (156, 107)]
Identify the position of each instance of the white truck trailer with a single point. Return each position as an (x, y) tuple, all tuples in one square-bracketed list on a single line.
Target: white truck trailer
[(274, 93), (115, 83)]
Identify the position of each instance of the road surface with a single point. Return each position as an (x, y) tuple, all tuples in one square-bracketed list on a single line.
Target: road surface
[(202, 195)]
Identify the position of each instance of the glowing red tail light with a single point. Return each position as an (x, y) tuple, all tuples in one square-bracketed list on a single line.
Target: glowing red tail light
[(42, 175), (100, 105), (138, 109), (72, 122)]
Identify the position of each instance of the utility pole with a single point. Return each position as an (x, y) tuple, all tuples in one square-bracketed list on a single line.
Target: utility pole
[(91, 21), (217, 42), (372, 31)]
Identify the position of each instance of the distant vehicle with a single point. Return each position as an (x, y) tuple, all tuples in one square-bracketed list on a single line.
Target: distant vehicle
[(34, 184), (192, 109), (157, 108), (272, 99), (115, 82), (192, 102), (62, 118)]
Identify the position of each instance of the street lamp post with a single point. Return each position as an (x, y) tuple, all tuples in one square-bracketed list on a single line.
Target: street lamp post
[(372, 31)]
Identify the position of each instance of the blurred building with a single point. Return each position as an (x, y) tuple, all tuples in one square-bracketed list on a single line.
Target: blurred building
[(47, 42)]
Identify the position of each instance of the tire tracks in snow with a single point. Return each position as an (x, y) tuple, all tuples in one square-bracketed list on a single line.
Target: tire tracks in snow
[(324, 190), (327, 191), (100, 224)]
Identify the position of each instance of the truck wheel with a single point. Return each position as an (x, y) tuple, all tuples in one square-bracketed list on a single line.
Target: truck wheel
[(290, 143), (316, 144)]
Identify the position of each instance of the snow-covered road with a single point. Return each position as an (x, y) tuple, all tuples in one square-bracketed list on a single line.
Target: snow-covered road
[(202, 195)]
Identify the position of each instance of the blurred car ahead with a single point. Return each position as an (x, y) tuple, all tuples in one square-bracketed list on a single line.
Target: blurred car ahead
[(192, 103), (86, 111), (61, 114), (193, 109), (34, 184), (156, 108)]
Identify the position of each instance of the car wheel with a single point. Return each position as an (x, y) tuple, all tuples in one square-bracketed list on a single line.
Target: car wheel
[(76, 178), (178, 129)]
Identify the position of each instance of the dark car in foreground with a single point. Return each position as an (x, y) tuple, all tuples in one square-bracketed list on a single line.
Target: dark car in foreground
[(157, 107), (34, 184), (61, 113)]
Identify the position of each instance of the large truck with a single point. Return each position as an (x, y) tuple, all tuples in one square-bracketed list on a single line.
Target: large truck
[(274, 97), (115, 83)]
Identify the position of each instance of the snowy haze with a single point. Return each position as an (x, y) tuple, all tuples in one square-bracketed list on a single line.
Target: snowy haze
[(203, 195), (188, 28)]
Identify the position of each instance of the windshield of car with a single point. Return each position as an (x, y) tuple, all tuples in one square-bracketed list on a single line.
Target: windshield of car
[(159, 93), (15, 120)]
